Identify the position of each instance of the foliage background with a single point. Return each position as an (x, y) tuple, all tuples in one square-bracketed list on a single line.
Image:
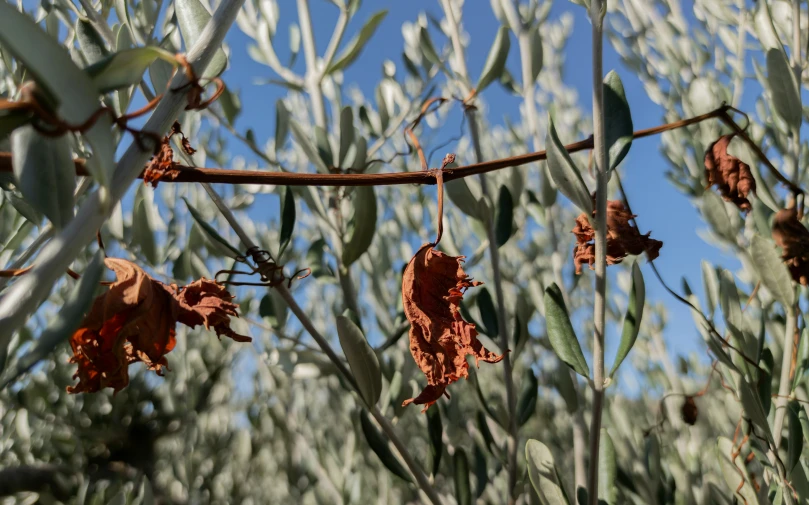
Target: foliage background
[(271, 422)]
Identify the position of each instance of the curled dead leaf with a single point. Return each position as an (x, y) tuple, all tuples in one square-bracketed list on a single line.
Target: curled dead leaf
[(793, 238), (162, 166), (623, 238), (433, 286), (729, 174), (135, 321)]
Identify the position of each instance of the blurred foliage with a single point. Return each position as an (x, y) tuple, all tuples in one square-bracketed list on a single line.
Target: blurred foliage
[(274, 422)]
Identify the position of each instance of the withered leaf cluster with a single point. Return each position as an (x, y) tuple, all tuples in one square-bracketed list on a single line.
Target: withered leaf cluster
[(433, 285), (729, 174), (162, 165), (135, 320), (793, 238), (623, 238)]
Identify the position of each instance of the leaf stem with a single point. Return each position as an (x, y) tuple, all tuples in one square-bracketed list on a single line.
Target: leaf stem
[(597, 10), (784, 383), (313, 75)]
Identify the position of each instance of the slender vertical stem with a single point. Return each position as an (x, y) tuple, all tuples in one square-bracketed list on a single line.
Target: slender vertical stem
[(784, 383), (312, 72), (597, 8)]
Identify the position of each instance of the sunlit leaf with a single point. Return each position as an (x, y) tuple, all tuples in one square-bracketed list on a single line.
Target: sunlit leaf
[(496, 61), (565, 173), (192, 17), (355, 46), (618, 128), (543, 474), (633, 317), (560, 332)]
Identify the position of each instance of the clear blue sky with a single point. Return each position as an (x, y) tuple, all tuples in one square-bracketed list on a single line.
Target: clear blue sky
[(669, 214)]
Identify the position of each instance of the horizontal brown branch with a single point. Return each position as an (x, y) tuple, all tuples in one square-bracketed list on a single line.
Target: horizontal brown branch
[(227, 176)]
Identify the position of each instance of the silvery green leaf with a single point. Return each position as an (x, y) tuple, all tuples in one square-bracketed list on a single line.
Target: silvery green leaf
[(45, 173), (504, 219), (795, 437), (618, 129), (496, 61), (488, 314), (527, 402), (68, 318), (215, 240), (125, 68), (364, 224), (51, 67), (362, 360), (143, 226), (305, 143), (379, 444), (565, 173), (563, 382), (192, 17), (458, 191), (633, 317), (435, 430), (536, 55), (323, 146), (731, 469), (428, 49), (607, 471), (282, 121), (287, 220), (771, 269), (231, 105), (90, 41), (543, 474), (786, 95), (711, 287), (753, 408), (346, 133), (715, 213), (355, 46), (463, 491), (560, 332), (22, 206)]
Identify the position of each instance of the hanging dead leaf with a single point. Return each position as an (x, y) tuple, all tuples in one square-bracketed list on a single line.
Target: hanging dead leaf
[(135, 320), (162, 166), (433, 285), (623, 238), (793, 238), (729, 174)]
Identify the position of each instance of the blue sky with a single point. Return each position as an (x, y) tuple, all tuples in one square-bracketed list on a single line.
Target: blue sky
[(670, 215)]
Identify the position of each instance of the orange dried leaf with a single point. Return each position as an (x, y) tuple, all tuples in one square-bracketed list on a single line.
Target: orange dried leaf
[(135, 321), (729, 174), (623, 238), (433, 285), (793, 238)]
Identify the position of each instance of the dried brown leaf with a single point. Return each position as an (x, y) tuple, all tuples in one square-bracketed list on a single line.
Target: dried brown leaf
[(433, 285), (729, 174)]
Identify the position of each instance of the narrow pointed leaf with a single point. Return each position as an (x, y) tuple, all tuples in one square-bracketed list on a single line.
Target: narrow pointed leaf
[(346, 133), (560, 332), (287, 220), (379, 444), (536, 55), (192, 17), (211, 233), (45, 173), (786, 97), (504, 220), (305, 143), (618, 129), (281, 125), (566, 387), (90, 42), (565, 173), (365, 210), (607, 471), (458, 191), (543, 475), (436, 431), (488, 314), (354, 47), (463, 492), (526, 405), (125, 68), (772, 271), (361, 359), (632, 319), (496, 61)]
